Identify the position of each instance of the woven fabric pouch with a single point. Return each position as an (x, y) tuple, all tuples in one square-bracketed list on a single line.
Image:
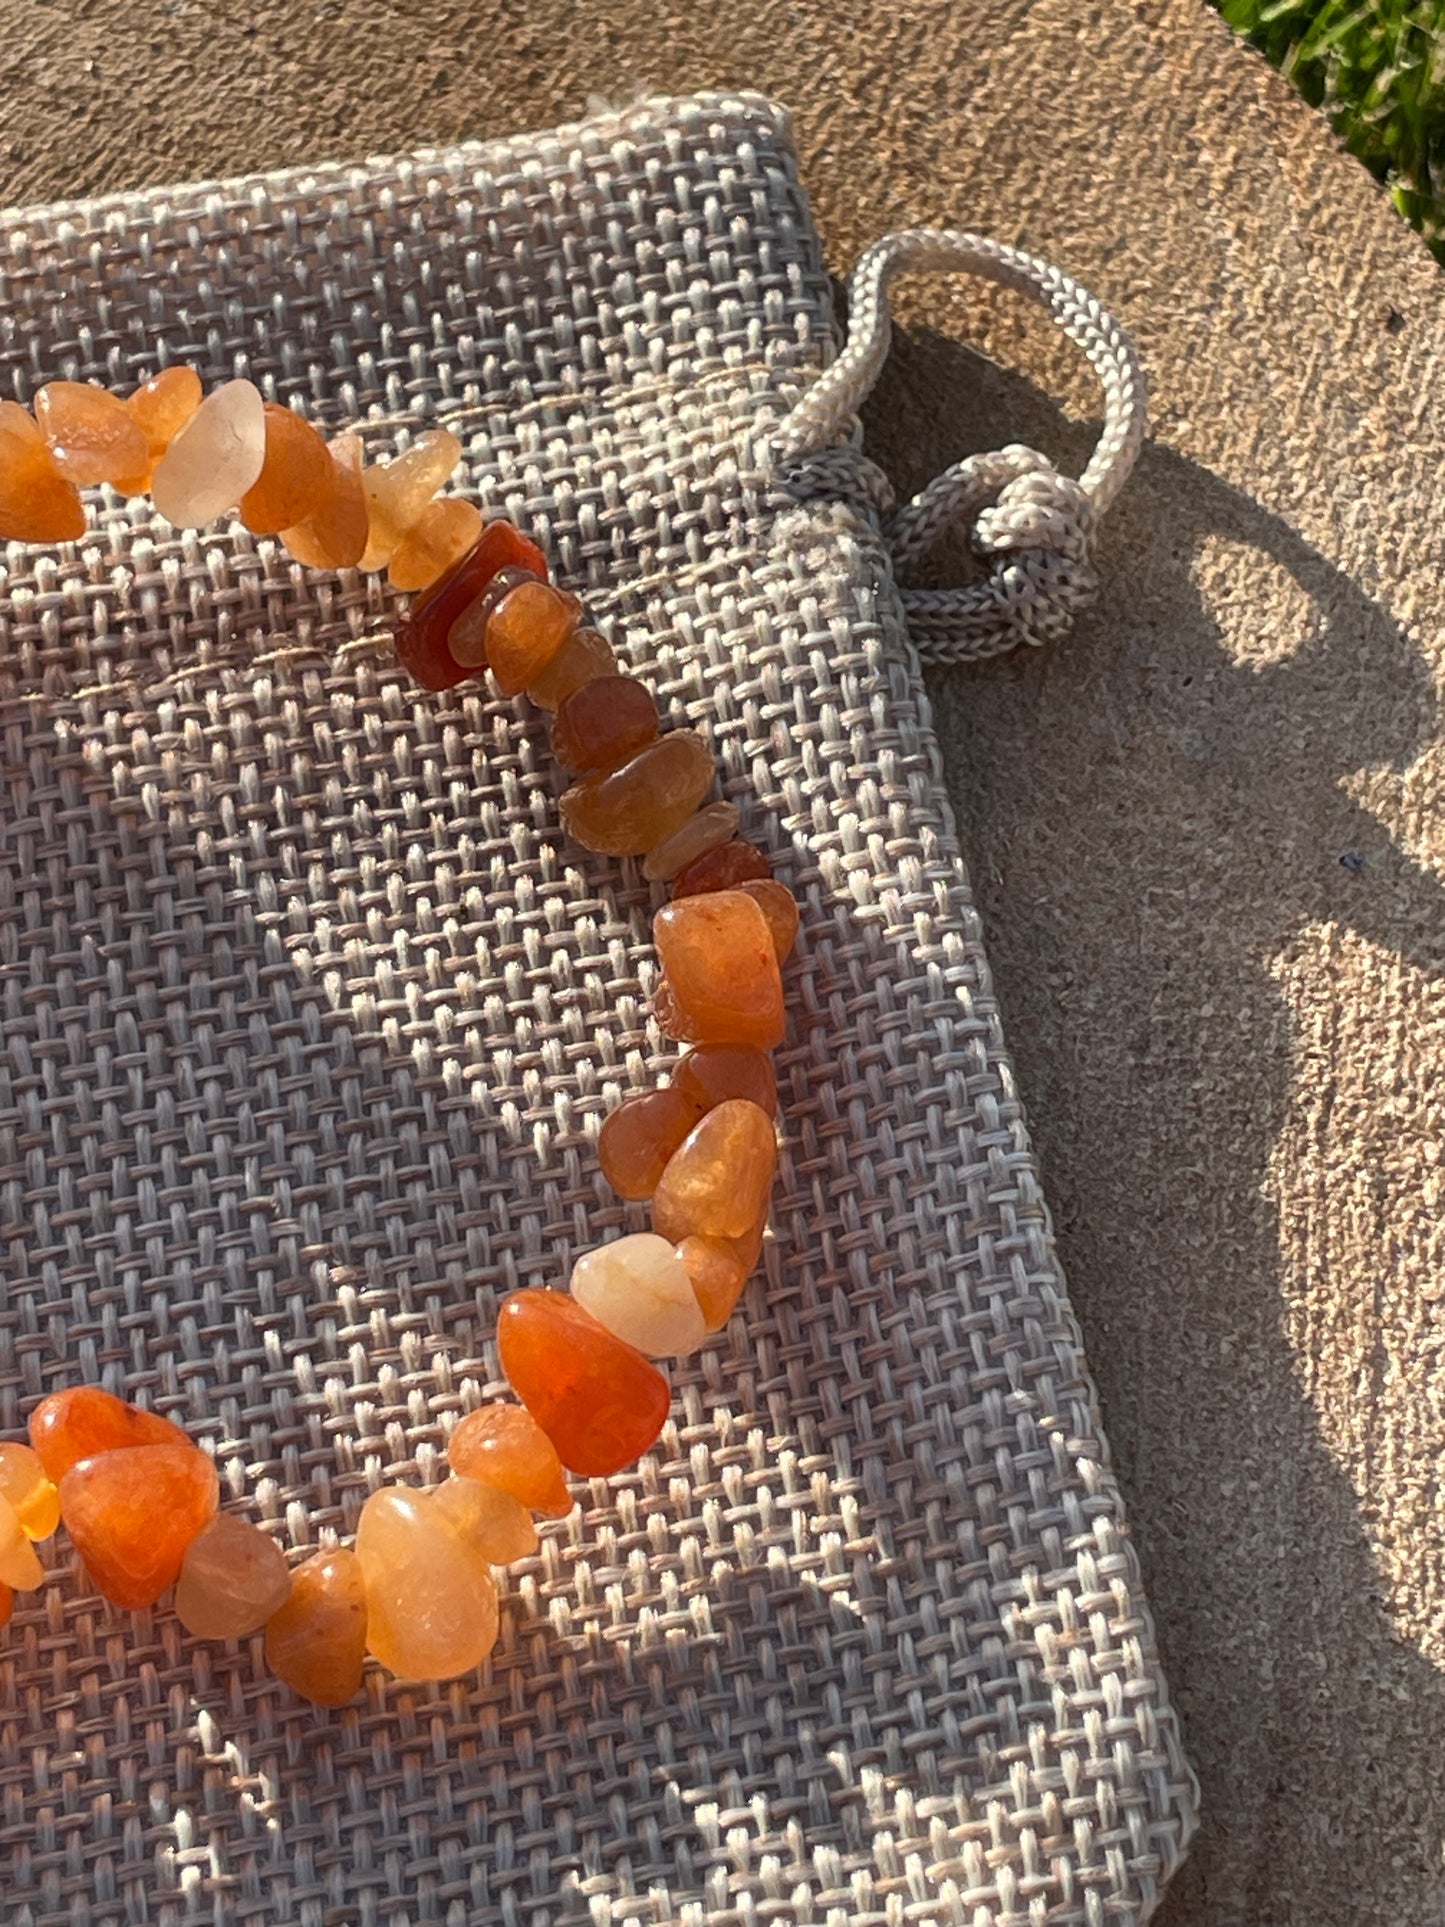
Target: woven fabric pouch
[(311, 1013)]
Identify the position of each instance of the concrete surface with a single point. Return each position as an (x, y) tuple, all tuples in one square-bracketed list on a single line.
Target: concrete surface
[(1207, 833)]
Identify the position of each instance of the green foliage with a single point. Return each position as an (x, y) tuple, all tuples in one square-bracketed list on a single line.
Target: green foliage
[(1377, 68)]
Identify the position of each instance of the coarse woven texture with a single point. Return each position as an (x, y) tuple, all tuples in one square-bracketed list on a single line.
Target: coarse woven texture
[(310, 1017)]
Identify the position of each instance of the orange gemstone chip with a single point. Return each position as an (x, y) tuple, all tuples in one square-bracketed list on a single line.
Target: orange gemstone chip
[(629, 811), (295, 477), (504, 1446), (638, 1138), (93, 436), (132, 1513), (316, 1641), (37, 503), (724, 984), (600, 1402), (720, 1177), (83, 1421)]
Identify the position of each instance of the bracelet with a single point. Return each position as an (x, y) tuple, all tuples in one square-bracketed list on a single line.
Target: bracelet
[(138, 1497)]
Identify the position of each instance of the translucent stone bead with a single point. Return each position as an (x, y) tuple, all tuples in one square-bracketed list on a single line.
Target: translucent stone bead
[(700, 833), (583, 657), (723, 868), (37, 504), (720, 1177), (639, 1289), (233, 1577), (467, 637), (334, 534), (603, 723), (525, 630), (431, 1605), (440, 537), (83, 1421), (712, 1073), (780, 907), (316, 1641), (717, 1274), (421, 639), (132, 1513), (295, 474), (160, 407), (628, 811), (26, 1484), (497, 1525), (92, 434), (398, 493), (598, 1400), (19, 1566), (638, 1138), (723, 980), (214, 459), (504, 1446)]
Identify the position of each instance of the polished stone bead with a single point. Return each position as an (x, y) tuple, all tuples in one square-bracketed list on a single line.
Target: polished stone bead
[(723, 868), (637, 1139), (525, 630), (26, 1484), (497, 1525), (598, 1400), (334, 534), (629, 811), (717, 1274), (399, 492), (7, 1603), (724, 984), (19, 1566), (83, 1421), (712, 1073), (504, 1446), (467, 637), (92, 435), (133, 1512), (720, 1177), (316, 1641), (583, 657), (160, 407), (214, 459), (780, 907), (431, 1603), (639, 1289), (421, 639), (603, 723), (233, 1577), (699, 834), (443, 533), (37, 503), (295, 475)]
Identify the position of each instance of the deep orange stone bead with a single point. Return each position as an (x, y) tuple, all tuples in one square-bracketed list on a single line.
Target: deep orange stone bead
[(780, 907), (720, 1177), (638, 1138), (83, 1421), (525, 631), (316, 1642), (443, 533), (600, 1402), (334, 534), (421, 640), (713, 1073), (133, 1512), (467, 637), (504, 1446), (723, 981), (721, 869), (160, 407), (629, 811), (92, 434), (295, 476), (603, 723), (583, 657), (717, 1273), (37, 503), (7, 1603)]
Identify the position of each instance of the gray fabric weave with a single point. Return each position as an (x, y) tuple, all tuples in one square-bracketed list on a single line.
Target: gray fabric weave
[(310, 1015)]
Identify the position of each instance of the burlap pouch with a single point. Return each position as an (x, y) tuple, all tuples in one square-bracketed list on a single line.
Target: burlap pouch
[(310, 1015)]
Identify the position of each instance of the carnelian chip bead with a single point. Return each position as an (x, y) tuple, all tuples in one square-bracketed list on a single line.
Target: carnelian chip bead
[(720, 1176), (19, 1566), (438, 539), (717, 1275), (584, 657), (780, 907), (699, 834), (132, 1513), (421, 639), (37, 504), (334, 534), (525, 630), (316, 1641), (723, 981), (160, 408), (295, 474), (637, 1139), (467, 637), (83, 1421), (723, 868), (7, 1603), (399, 492), (92, 435), (599, 1401), (503, 1446), (491, 1521), (711, 1073), (603, 723), (233, 1578), (26, 1484), (639, 1289), (431, 1603), (629, 811)]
